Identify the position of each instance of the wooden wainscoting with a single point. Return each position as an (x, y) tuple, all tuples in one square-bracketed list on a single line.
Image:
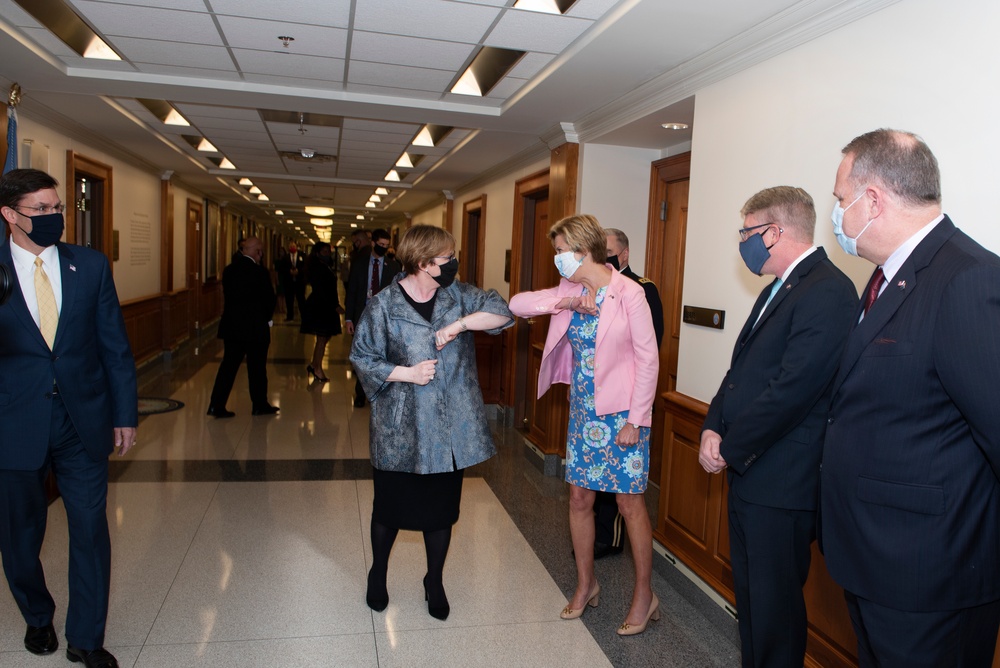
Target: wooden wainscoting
[(156, 323), (693, 525), (210, 304)]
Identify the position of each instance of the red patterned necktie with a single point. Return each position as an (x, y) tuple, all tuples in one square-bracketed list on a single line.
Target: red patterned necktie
[(878, 278), (375, 277)]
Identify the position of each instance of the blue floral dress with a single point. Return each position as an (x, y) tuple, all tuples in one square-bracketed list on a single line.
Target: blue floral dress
[(593, 461)]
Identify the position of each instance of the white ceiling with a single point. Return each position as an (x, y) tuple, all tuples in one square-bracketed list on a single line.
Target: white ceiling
[(372, 72)]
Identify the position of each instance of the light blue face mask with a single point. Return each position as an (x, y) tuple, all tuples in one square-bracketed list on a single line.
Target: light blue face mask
[(849, 245), (567, 264)]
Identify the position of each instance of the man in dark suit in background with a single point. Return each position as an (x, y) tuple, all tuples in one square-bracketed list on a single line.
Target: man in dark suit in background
[(292, 278), (245, 329), (609, 526), (910, 522), (765, 424), (371, 271), (67, 399)]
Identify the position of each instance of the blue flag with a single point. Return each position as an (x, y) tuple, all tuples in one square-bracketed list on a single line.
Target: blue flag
[(11, 162)]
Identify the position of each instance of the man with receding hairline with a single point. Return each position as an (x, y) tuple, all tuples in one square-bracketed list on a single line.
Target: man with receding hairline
[(911, 462)]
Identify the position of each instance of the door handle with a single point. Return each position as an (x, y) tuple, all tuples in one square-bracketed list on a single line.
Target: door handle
[(531, 321)]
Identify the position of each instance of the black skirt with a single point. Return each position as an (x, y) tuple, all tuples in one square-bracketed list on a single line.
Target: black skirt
[(417, 502)]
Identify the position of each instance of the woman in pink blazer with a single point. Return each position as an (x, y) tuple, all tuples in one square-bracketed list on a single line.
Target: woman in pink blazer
[(602, 344)]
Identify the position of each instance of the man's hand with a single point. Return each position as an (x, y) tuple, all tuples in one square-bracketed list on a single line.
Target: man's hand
[(708, 454), (124, 439), (349, 326)]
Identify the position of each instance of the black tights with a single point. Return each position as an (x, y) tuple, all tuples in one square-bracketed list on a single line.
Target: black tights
[(435, 544)]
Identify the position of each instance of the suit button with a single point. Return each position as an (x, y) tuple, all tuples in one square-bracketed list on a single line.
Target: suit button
[(732, 386), (829, 420)]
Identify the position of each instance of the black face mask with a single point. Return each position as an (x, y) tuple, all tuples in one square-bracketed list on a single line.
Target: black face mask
[(379, 250), (45, 230), (613, 261), (448, 272)]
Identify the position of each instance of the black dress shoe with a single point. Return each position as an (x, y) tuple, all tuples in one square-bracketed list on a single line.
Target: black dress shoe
[(377, 595), (92, 658), (41, 640), (359, 402), (265, 410), (601, 550), (437, 605), (219, 412)]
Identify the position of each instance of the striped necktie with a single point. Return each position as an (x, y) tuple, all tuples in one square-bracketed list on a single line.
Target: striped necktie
[(48, 314)]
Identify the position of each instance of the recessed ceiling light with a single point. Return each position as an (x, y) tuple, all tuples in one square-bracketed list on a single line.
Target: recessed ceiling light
[(486, 70), (370, 205), (355, 224), (206, 146), (290, 221), (174, 118), (225, 164), (67, 25), (393, 175), (431, 135), (545, 6), (374, 198), (319, 210), (404, 161), (359, 217), (246, 182), (321, 222), (255, 190), (674, 126), (381, 191), (263, 198), (279, 212)]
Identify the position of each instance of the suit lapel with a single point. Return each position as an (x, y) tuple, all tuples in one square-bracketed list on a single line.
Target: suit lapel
[(68, 272), (895, 293), (609, 307)]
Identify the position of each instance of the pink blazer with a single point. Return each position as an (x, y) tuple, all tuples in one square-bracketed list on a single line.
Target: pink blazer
[(626, 361)]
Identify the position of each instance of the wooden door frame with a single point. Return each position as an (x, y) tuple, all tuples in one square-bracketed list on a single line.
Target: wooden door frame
[(469, 207), (195, 279), (526, 190), (81, 165)]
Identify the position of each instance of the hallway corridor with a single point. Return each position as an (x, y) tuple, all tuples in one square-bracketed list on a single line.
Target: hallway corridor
[(244, 542)]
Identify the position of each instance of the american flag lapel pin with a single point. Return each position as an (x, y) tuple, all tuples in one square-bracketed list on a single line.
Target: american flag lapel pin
[(901, 285), (72, 267)]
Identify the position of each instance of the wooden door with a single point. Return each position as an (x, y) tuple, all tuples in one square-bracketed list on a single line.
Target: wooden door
[(194, 278), (666, 230), (89, 187)]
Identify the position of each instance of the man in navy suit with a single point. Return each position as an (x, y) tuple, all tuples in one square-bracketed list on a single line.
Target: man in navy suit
[(910, 521), (67, 399), (765, 424)]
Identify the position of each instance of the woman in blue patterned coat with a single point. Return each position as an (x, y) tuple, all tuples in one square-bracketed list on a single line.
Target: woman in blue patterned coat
[(416, 358)]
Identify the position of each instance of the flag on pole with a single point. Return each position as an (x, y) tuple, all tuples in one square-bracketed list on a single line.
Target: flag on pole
[(11, 162)]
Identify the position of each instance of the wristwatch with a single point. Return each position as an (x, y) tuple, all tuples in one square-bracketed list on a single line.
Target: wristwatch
[(634, 426)]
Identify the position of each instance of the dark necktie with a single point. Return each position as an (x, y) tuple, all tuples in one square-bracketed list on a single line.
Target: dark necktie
[(375, 277), (878, 278)]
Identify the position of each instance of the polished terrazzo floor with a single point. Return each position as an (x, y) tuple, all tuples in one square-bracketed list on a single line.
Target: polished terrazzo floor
[(244, 542)]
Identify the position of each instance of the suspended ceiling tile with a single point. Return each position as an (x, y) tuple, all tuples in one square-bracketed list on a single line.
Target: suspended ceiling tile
[(289, 130), (530, 65), (380, 126), (155, 51), (378, 137), (188, 72), (289, 64), (48, 41), (531, 31), (13, 14), (591, 9), (433, 19), (210, 111), (246, 33), (300, 83), (188, 5), (397, 95), (309, 12), (151, 23), (348, 147), (507, 87), (394, 76), (207, 122), (402, 50)]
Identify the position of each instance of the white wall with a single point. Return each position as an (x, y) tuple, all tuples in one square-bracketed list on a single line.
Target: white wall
[(136, 206), (920, 65), (433, 216), (614, 187)]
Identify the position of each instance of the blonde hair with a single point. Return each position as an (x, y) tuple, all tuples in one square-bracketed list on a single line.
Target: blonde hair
[(583, 234), (421, 244)]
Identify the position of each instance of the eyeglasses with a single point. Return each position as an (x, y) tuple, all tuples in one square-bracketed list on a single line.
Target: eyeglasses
[(43, 209), (745, 231), (446, 258)]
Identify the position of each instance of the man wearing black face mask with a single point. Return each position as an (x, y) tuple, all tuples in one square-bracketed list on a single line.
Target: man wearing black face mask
[(766, 423), (370, 271), (67, 400)]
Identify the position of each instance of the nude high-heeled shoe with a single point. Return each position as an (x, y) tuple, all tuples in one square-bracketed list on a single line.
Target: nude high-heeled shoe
[(627, 629), (570, 613)]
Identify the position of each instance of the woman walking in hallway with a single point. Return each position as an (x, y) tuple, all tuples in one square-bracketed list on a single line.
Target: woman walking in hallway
[(321, 315)]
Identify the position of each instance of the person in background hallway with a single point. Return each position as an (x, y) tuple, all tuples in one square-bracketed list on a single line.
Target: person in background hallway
[(67, 378), (292, 278), (280, 257), (609, 529), (245, 329), (361, 240), (765, 425), (416, 357), (321, 315), (910, 518), (602, 343), (371, 271)]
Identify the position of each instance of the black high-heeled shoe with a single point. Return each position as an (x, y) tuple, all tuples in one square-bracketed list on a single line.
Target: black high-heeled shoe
[(322, 379), (377, 596), (438, 608)]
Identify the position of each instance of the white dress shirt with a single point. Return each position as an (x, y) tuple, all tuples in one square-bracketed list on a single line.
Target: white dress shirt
[(24, 266)]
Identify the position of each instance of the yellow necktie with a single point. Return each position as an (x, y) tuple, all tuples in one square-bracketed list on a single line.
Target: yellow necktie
[(48, 315)]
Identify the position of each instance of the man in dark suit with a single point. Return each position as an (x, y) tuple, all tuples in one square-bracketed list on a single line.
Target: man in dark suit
[(765, 424), (67, 399), (910, 522), (292, 278), (245, 329), (371, 271), (609, 526)]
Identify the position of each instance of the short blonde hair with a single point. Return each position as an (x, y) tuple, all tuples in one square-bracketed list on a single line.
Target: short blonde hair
[(421, 244), (583, 234)]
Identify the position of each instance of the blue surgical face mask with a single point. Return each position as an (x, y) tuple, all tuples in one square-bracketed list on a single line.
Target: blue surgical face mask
[(755, 253), (567, 264), (849, 245), (46, 229)]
